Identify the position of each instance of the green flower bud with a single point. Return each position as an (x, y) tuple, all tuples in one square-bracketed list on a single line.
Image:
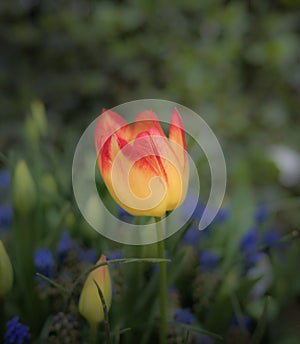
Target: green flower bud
[(39, 117), (6, 271), (24, 190), (36, 122)]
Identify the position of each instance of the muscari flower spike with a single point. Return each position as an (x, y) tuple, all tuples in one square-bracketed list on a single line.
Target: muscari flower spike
[(43, 261), (208, 260), (184, 316), (16, 332)]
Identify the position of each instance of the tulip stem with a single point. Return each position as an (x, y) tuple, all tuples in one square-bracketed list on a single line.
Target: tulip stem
[(162, 285), (93, 333), (2, 316)]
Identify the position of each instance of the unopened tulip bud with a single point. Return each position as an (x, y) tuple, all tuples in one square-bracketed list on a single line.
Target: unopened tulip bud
[(36, 122), (6, 271), (90, 305), (24, 190), (39, 117)]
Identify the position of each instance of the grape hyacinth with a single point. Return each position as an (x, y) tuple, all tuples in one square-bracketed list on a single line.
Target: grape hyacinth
[(16, 332), (64, 245), (43, 261), (88, 256), (4, 179), (184, 316), (249, 247), (208, 260), (6, 214), (261, 213), (114, 255)]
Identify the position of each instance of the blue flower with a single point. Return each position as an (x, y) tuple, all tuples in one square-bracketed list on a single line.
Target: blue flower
[(89, 256), (123, 215), (64, 245), (261, 213), (208, 260), (114, 255), (249, 241), (193, 206), (223, 215), (4, 179), (16, 332), (184, 316), (191, 236), (249, 247), (271, 238), (6, 214), (43, 261), (244, 322)]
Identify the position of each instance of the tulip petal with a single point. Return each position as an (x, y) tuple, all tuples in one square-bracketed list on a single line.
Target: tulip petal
[(176, 131), (109, 123), (176, 134), (109, 151), (145, 120)]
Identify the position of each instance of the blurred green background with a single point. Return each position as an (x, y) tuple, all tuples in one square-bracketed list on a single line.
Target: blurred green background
[(236, 63)]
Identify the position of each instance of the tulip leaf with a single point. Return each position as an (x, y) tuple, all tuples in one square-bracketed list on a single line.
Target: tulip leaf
[(198, 329), (260, 329), (105, 312), (50, 281), (110, 262)]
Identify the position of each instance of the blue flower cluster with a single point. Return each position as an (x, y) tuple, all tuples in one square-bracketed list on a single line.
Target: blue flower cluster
[(250, 242), (44, 262), (16, 332), (249, 247), (123, 215), (197, 213), (6, 211), (208, 260), (4, 179), (261, 213), (244, 321), (66, 244), (6, 214), (114, 255), (184, 316)]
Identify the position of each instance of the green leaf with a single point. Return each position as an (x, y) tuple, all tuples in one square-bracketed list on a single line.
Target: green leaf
[(198, 329), (261, 326)]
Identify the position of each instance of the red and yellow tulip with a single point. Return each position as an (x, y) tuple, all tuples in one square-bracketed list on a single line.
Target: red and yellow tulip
[(145, 171)]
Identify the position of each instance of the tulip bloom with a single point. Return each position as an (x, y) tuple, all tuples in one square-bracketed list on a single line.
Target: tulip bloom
[(90, 305), (145, 172)]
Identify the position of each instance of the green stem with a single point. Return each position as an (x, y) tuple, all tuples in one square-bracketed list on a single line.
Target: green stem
[(93, 333), (2, 317), (162, 285)]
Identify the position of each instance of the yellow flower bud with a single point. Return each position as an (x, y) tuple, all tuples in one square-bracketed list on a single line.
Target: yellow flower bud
[(24, 190), (90, 305), (6, 271)]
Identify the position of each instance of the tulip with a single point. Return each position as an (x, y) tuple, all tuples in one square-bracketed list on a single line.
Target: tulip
[(36, 122), (6, 271), (90, 305), (145, 172), (24, 189)]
